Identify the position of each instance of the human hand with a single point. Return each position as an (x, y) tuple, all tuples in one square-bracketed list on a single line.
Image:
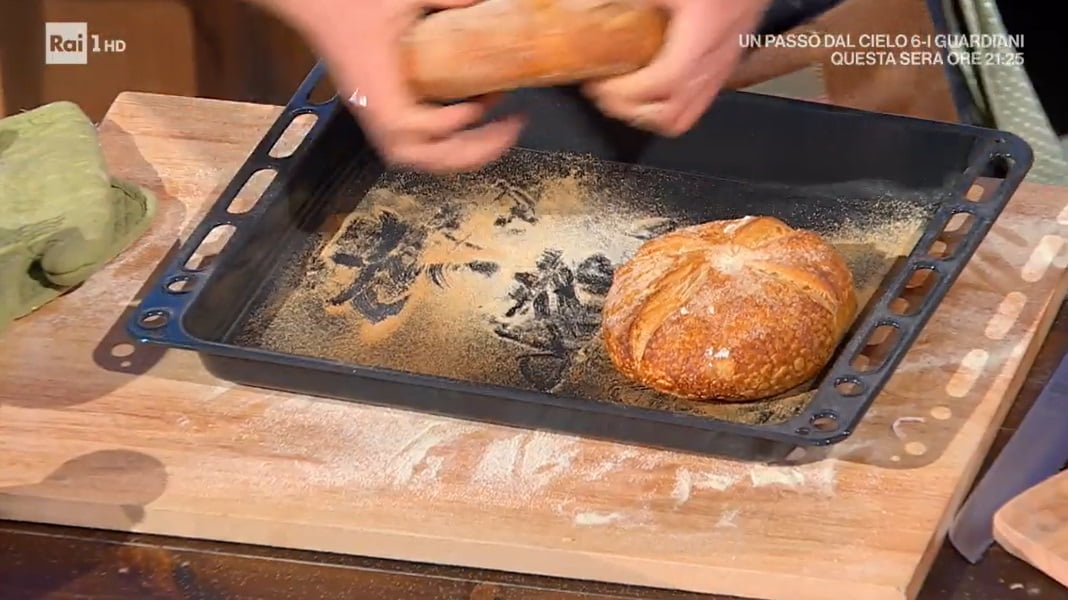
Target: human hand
[(701, 48), (360, 42)]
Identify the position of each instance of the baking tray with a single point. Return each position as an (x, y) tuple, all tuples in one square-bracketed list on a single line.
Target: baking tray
[(477, 295)]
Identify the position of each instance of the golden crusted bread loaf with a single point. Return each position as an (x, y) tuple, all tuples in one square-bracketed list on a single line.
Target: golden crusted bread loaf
[(728, 310), (501, 45)]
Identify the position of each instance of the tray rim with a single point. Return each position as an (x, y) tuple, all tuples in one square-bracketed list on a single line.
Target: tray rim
[(795, 431)]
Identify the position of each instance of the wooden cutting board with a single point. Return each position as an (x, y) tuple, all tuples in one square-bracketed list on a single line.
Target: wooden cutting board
[(96, 432), (1034, 527)]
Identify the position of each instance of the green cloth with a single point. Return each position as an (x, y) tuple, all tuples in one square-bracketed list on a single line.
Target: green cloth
[(62, 216)]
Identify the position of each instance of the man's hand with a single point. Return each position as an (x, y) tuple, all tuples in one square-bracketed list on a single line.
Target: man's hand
[(359, 41), (700, 51)]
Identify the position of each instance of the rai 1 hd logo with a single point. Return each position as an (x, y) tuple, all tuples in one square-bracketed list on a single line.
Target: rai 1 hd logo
[(71, 44)]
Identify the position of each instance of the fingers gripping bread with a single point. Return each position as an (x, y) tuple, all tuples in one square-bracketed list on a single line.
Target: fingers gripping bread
[(499, 45), (728, 310)]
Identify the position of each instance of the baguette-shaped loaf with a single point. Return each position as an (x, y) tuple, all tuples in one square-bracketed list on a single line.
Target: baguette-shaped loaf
[(502, 45), (729, 310)]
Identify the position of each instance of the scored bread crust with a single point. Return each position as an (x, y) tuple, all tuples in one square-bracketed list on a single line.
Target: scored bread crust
[(732, 310), (502, 45)]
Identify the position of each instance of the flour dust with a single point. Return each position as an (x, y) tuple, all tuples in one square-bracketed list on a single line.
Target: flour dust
[(498, 277)]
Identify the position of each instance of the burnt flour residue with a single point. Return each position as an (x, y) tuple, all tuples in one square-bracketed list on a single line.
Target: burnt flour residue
[(499, 277)]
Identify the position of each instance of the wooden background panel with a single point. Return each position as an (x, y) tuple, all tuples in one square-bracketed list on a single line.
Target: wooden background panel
[(224, 49), (158, 55)]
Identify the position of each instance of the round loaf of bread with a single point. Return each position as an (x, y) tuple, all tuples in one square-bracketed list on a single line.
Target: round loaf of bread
[(733, 310), (501, 45)]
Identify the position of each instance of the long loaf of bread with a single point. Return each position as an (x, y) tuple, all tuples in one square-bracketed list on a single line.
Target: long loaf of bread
[(501, 45)]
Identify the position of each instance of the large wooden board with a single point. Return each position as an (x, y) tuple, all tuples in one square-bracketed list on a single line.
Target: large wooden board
[(98, 433)]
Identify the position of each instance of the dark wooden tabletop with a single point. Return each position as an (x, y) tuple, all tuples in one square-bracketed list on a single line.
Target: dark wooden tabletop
[(43, 562)]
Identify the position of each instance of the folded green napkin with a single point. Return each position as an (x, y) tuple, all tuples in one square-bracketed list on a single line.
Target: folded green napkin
[(62, 216)]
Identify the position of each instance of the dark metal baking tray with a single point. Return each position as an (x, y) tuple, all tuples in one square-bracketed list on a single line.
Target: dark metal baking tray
[(476, 295)]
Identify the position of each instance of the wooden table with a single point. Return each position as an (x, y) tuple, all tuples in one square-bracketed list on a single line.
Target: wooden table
[(46, 562), (124, 495)]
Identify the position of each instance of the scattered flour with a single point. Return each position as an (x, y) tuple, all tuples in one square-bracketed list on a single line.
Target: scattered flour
[(683, 487), (687, 481), (499, 460), (823, 477), (607, 466), (357, 448), (364, 452), (762, 476), (818, 476), (524, 463), (433, 467), (414, 454), (715, 481), (727, 519), (595, 518), (815, 478), (896, 426)]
